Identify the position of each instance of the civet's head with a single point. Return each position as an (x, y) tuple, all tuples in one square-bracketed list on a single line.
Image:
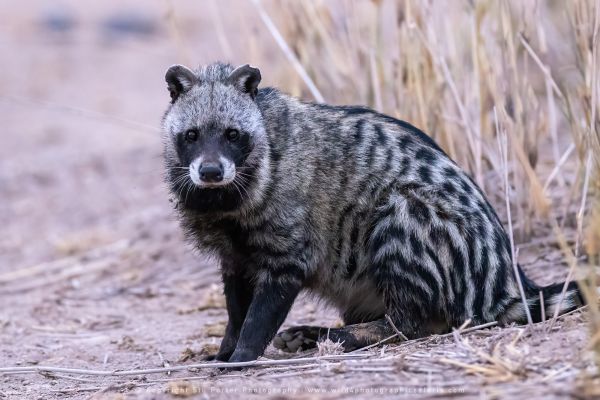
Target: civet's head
[(215, 141)]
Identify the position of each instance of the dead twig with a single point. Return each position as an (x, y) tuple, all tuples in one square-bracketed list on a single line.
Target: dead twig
[(503, 146), (572, 258), (288, 51), (256, 363), (400, 334)]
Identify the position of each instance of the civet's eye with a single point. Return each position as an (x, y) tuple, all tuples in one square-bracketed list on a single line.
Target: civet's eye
[(191, 135), (232, 134)]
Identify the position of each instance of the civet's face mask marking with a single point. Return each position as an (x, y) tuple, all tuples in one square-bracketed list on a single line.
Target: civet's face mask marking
[(212, 156)]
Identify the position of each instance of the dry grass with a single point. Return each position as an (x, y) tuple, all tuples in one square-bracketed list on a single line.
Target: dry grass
[(450, 67)]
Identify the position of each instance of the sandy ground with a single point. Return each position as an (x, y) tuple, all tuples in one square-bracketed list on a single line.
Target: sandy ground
[(94, 272)]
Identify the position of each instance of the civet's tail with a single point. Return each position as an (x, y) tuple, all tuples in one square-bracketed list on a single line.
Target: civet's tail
[(547, 297)]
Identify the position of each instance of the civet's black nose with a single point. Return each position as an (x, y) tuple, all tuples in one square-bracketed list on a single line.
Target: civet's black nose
[(210, 172)]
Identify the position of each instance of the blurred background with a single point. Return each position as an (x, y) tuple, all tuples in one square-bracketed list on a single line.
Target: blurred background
[(510, 89), (82, 94)]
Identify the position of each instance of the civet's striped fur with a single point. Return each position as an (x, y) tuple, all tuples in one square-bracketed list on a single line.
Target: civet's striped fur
[(362, 209)]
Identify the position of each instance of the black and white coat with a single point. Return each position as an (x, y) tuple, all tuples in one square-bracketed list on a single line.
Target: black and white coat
[(360, 208)]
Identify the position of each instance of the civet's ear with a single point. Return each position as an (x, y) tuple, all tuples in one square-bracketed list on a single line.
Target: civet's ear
[(179, 79), (245, 79)]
